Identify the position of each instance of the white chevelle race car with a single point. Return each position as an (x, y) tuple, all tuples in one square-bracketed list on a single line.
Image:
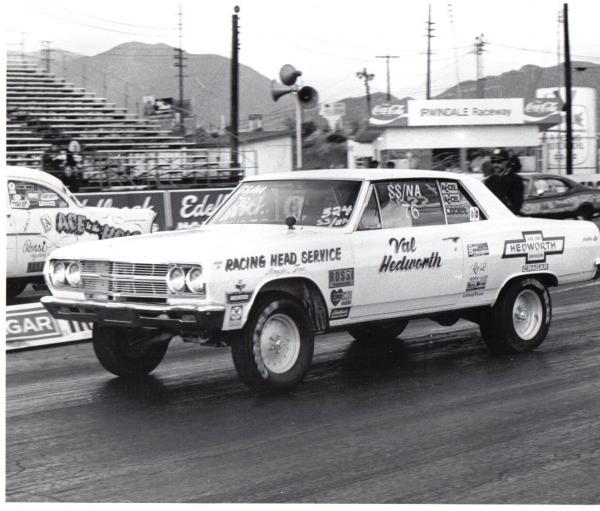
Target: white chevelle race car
[(42, 214), (291, 255)]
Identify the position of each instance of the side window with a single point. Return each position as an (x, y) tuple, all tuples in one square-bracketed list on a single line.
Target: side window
[(24, 195), (549, 187), (458, 206), (370, 219), (409, 203)]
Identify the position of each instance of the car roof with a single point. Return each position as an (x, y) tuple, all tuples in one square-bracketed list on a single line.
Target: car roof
[(18, 172), (356, 174)]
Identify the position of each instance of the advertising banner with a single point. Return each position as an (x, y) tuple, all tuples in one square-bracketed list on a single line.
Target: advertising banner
[(154, 200), (189, 208), (584, 131), (31, 325), (465, 112)]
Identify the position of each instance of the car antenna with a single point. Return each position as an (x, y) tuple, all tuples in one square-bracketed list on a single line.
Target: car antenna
[(290, 221)]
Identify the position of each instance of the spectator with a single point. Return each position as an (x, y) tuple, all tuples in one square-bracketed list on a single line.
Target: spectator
[(73, 165), (390, 164), (504, 182)]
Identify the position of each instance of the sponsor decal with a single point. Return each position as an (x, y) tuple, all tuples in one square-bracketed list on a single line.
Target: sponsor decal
[(30, 324), (11, 187), (35, 266), (46, 222), (534, 247), (479, 268), (239, 296), (19, 204), (477, 283), (341, 278), (235, 315), (341, 297), (407, 246), (35, 196), (240, 286), (284, 259), (473, 214), (535, 267), (457, 211), (47, 204), (50, 196), (478, 249), (71, 223), (341, 313), (33, 247)]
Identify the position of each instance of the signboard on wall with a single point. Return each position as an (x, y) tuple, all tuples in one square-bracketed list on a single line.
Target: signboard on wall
[(584, 131), (465, 112)]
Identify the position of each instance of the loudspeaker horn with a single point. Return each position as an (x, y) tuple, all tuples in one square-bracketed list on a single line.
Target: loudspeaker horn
[(288, 74), (308, 97), (278, 90)]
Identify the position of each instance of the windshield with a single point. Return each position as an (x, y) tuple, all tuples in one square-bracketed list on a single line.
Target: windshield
[(68, 193), (312, 202)]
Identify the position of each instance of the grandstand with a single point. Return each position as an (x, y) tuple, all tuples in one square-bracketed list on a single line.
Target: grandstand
[(119, 149)]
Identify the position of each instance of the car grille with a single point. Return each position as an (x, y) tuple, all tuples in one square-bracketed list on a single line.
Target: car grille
[(124, 279)]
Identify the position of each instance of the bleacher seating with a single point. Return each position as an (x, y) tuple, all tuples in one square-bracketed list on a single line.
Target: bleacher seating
[(44, 113)]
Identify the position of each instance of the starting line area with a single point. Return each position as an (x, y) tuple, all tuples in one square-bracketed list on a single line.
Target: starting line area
[(30, 326)]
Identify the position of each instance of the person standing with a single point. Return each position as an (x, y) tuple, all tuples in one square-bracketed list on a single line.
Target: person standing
[(504, 181)]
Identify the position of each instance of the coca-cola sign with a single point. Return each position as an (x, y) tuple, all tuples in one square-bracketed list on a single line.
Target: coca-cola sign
[(542, 107), (389, 114)]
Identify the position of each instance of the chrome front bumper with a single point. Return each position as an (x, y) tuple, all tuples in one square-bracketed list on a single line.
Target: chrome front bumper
[(176, 318)]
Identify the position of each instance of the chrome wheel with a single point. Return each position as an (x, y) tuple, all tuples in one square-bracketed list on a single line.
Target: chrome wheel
[(279, 343), (527, 314)]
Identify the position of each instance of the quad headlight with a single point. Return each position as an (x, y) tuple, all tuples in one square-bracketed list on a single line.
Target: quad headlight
[(185, 279), (58, 273), (65, 273), (194, 280), (73, 274), (176, 280)]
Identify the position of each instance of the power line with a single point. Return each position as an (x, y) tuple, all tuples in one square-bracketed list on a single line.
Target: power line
[(119, 22)]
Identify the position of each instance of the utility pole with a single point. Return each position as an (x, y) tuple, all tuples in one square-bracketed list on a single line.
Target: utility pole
[(387, 62), (568, 95), (234, 129), (179, 59), (46, 54), (430, 36), (479, 49), (364, 75)]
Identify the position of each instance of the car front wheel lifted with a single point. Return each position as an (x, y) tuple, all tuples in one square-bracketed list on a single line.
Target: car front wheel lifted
[(520, 319), (127, 352), (274, 350)]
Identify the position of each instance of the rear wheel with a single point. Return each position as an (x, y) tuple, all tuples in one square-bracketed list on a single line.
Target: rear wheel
[(378, 331), (273, 352), (520, 319), (127, 352)]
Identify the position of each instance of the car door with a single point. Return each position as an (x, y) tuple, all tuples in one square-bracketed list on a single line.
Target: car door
[(33, 207), (407, 260)]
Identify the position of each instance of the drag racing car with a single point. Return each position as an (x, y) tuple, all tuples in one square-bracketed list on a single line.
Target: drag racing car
[(42, 214), (554, 196), (292, 255)]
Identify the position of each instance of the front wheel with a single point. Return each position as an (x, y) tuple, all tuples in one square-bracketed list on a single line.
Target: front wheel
[(520, 319), (378, 331), (273, 352), (127, 352)]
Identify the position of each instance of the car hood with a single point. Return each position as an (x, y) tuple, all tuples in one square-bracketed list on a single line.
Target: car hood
[(195, 244)]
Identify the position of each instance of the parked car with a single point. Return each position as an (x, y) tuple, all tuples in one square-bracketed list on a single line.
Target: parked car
[(554, 196), (288, 256), (42, 215)]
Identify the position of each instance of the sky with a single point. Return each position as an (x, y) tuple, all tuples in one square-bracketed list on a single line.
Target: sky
[(328, 40)]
